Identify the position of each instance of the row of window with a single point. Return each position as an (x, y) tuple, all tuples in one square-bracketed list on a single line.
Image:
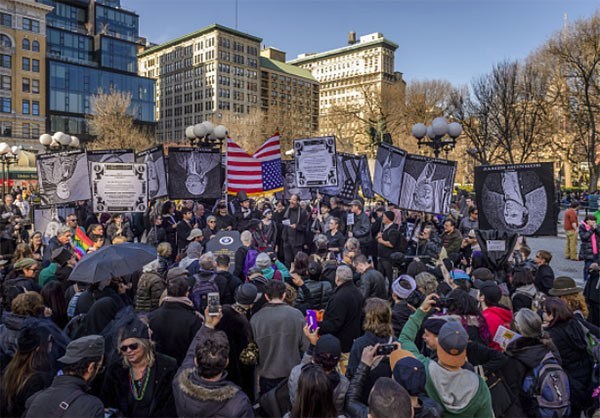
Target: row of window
[(30, 107), (33, 46), (30, 64), (30, 25), (29, 86), (28, 130)]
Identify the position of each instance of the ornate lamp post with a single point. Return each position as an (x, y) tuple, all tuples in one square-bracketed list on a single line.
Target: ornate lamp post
[(8, 155), (441, 134), (59, 142), (206, 135)]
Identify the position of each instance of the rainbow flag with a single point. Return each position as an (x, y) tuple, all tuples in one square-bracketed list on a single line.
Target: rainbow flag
[(82, 242)]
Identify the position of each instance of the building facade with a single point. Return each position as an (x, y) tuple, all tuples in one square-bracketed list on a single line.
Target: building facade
[(92, 45), (289, 96), (352, 79), (22, 71)]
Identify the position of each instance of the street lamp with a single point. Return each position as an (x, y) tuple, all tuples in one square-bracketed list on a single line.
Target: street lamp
[(206, 135), (8, 155), (437, 132), (59, 142)]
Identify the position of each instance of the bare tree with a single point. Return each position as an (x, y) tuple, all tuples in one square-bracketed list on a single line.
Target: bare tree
[(112, 123)]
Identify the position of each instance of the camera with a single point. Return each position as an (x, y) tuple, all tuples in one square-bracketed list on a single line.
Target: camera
[(415, 299), (385, 349), (443, 303)]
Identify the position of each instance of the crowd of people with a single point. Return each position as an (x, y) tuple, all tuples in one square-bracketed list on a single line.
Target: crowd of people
[(327, 309)]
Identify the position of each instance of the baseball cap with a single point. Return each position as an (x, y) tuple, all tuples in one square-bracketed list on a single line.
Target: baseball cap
[(356, 202), (397, 355), (84, 347), (457, 274), (410, 373), (452, 344), (194, 233)]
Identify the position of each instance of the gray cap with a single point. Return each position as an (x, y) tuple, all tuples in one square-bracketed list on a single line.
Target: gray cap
[(194, 233), (77, 350), (263, 261), (246, 294), (177, 272)]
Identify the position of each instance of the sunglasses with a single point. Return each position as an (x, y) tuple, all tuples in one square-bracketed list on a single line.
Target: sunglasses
[(131, 347)]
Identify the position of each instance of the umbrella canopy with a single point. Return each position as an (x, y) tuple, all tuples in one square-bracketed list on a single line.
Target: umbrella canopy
[(112, 261)]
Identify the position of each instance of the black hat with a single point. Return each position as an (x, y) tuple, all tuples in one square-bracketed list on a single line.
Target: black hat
[(242, 196), (415, 267), (390, 215), (563, 286), (328, 344), (84, 347), (410, 373), (136, 330), (483, 273), (29, 339), (490, 290), (246, 294), (434, 324), (61, 255)]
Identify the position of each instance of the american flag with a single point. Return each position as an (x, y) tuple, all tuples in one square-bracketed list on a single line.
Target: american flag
[(255, 174)]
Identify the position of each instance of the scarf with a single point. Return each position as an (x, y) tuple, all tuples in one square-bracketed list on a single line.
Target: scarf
[(592, 238)]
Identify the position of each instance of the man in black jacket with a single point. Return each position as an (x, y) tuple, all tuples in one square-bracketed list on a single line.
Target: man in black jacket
[(372, 283), (245, 214), (342, 317), (183, 229), (67, 396), (361, 229), (295, 220), (389, 240)]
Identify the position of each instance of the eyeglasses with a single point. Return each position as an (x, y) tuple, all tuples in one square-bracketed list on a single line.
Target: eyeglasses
[(212, 222), (131, 347), (72, 220)]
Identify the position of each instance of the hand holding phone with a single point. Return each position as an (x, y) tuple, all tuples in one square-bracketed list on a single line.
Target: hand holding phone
[(311, 319), (213, 303), (386, 349)]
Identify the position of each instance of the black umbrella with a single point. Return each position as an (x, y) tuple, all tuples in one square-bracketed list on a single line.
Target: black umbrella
[(112, 261)]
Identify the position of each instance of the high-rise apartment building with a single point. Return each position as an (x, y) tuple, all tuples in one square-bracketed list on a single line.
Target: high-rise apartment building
[(348, 77), (92, 45), (202, 75), (22, 71)]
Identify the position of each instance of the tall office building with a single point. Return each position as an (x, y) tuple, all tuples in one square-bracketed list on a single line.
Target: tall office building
[(22, 71), (346, 76), (92, 45)]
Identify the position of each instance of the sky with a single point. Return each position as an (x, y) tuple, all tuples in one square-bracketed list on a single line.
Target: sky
[(454, 40)]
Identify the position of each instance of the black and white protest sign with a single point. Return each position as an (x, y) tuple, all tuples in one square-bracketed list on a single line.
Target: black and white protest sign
[(518, 198), (389, 167), (119, 187), (288, 169), (315, 162), (111, 156), (348, 173), (47, 219), (427, 184), (194, 173), (366, 181), (155, 164), (63, 177)]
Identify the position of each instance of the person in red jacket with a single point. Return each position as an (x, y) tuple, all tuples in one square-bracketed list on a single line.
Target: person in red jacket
[(495, 314)]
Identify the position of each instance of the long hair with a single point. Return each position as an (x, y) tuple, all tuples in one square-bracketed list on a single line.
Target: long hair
[(314, 396), (54, 298), (378, 317), (576, 302), (301, 264), (559, 310), (23, 250)]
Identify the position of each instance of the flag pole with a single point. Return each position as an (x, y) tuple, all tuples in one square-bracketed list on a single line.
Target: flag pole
[(226, 171)]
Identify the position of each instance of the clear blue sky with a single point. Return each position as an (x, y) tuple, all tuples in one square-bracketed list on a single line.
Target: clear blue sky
[(455, 40)]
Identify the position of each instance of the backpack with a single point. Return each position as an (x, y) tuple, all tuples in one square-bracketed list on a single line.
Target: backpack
[(537, 301), (250, 261), (200, 291), (548, 385)]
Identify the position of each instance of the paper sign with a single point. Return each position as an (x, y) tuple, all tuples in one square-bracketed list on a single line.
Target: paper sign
[(350, 219), (286, 222), (496, 245), (505, 336)]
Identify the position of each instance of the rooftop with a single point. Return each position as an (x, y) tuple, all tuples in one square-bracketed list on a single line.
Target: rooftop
[(282, 67), (197, 33)]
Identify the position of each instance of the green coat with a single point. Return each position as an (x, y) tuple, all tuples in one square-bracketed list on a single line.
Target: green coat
[(47, 274)]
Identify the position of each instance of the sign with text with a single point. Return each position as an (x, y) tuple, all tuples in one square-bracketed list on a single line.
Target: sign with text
[(119, 187), (316, 162)]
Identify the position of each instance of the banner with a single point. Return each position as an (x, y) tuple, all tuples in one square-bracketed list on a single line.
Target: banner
[(118, 187), (389, 167), (366, 182), (194, 173), (517, 198), (227, 243), (157, 176), (427, 184), (47, 219), (348, 173), (315, 162), (288, 169), (63, 177), (111, 156)]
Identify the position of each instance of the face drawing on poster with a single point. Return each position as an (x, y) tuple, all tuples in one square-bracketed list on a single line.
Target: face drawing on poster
[(197, 165), (423, 196), (153, 174), (386, 176), (427, 185), (58, 172), (515, 211), (389, 166)]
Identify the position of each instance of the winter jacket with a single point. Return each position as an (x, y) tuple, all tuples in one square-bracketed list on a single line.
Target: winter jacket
[(400, 314), (313, 295), (339, 392), (46, 403), (197, 397), (174, 326), (585, 248), (227, 283), (25, 283), (496, 316), (461, 393), (264, 236), (361, 230), (342, 316), (53, 244), (452, 241), (278, 332), (392, 235), (523, 297), (10, 327), (149, 289), (158, 400), (294, 237), (544, 278), (431, 247), (239, 261), (373, 285), (36, 382)]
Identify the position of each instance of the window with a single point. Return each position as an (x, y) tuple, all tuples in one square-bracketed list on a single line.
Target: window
[(26, 45), (6, 20), (35, 46), (26, 130), (35, 108), (6, 82), (5, 41), (5, 61), (35, 86), (5, 104), (25, 109), (26, 64), (31, 25), (26, 85), (35, 65)]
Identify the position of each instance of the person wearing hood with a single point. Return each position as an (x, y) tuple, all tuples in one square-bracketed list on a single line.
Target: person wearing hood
[(193, 250), (264, 263), (524, 291), (149, 289), (201, 387), (495, 314), (461, 392)]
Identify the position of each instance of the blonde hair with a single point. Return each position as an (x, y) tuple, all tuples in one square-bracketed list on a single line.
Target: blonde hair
[(378, 317), (146, 345), (164, 249), (576, 302), (27, 304)]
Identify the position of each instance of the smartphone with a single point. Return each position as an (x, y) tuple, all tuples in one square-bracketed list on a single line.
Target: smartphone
[(385, 349), (311, 319), (213, 302)]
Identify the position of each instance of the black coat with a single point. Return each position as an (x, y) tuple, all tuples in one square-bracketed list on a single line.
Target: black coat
[(400, 314), (544, 278), (314, 295), (227, 283), (294, 237), (373, 285), (585, 248), (174, 326), (182, 232), (116, 392), (343, 314)]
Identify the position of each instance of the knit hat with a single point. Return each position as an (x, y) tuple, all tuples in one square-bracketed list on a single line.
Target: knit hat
[(263, 261), (434, 324), (415, 267), (403, 286), (25, 263), (390, 215), (457, 274), (452, 344), (136, 330), (490, 290), (246, 294), (483, 273), (410, 373), (29, 339), (328, 344)]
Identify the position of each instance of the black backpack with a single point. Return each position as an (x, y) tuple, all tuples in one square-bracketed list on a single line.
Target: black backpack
[(200, 291)]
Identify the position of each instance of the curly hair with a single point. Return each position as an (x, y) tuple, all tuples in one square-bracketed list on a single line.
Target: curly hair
[(576, 302), (28, 304), (378, 317)]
